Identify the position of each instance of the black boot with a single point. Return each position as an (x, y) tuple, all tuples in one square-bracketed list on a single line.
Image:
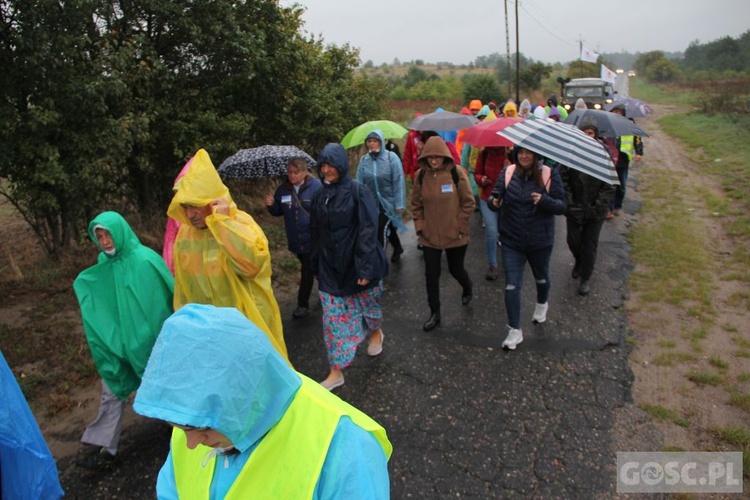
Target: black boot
[(397, 254), (467, 294), (431, 323)]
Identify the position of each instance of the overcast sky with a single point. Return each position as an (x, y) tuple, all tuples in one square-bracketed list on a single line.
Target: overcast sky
[(459, 31)]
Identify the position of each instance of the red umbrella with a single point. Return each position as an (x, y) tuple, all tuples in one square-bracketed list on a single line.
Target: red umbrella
[(485, 134)]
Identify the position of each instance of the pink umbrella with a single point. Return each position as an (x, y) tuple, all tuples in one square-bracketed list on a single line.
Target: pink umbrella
[(485, 134)]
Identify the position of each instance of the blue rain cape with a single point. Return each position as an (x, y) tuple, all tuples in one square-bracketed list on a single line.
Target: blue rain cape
[(27, 469), (212, 367)]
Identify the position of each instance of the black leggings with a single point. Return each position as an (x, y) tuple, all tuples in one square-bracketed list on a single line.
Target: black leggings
[(306, 280), (432, 269)]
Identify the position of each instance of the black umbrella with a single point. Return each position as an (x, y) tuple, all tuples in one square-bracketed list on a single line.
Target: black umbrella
[(609, 124), (261, 162)]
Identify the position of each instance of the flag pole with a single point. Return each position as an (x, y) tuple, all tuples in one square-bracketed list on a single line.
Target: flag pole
[(580, 51)]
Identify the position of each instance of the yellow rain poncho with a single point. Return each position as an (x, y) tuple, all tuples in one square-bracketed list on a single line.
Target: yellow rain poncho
[(229, 263)]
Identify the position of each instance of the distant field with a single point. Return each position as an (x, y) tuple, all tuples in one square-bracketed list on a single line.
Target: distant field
[(439, 70)]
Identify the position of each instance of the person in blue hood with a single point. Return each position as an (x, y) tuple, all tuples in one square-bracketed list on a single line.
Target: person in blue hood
[(246, 425), (349, 262), (381, 171)]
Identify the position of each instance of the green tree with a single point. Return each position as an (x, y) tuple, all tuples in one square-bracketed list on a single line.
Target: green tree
[(664, 71), (413, 76), (531, 76), (484, 87), (645, 60), (64, 134), (104, 101)]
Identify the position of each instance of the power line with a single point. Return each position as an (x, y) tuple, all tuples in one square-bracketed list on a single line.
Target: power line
[(545, 28)]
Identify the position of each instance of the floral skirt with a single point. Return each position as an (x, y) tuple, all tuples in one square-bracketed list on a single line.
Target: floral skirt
[(347, 321)]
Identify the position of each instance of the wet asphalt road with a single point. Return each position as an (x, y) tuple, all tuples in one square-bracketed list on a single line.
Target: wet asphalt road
[(466, 418), (469, 419)]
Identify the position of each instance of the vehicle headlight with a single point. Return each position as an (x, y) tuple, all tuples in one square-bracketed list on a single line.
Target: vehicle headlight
[(567, 107), (597, 106)]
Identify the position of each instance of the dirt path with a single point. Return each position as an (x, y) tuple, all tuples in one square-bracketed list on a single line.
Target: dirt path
[(669, 343)]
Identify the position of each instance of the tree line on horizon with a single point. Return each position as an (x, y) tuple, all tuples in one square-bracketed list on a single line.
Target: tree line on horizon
[(725, 57)]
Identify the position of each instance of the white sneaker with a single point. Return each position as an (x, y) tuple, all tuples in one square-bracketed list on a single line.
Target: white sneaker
[(515, 337), (540, 313)]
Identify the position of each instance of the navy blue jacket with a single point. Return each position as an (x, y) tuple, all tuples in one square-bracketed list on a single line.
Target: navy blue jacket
[(523, 226), (343, 231), (295, 207)]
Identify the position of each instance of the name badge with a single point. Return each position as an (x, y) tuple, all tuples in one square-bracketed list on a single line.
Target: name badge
[(446, 188), (286, 198)]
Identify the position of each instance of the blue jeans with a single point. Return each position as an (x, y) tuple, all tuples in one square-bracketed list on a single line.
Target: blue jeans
[(514, 262), (490, 232)]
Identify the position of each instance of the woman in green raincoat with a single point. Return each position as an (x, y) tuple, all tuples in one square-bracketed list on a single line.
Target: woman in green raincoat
[(124, 300)]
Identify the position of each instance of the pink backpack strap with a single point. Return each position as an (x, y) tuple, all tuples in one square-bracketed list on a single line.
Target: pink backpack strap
[(509, 174), (546, 175)]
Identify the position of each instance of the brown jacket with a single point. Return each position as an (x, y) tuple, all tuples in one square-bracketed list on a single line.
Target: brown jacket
[(441, 208)]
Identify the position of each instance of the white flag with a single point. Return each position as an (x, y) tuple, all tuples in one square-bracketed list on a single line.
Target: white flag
[(608, 75), (588, 55)]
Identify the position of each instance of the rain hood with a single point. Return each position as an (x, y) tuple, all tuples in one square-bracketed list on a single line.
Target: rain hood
[(199, 186), (199, 350)]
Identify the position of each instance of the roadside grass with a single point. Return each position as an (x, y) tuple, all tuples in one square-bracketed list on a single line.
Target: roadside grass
[(741, 400), (738, 436), (665, 414), (678, 264), (640, 89), (704, 378), (674, 264)]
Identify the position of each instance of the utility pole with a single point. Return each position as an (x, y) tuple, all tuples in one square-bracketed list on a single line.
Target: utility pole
[(518, 57), (507, 48)]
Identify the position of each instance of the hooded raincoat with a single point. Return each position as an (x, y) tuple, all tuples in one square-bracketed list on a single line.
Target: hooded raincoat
[(213, 368), (383, 174), (228, 264), (343, 232), (124, 300), (441, 207), (510, 110)]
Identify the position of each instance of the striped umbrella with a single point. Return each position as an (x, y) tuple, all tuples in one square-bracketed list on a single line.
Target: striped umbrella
[(565, 144)]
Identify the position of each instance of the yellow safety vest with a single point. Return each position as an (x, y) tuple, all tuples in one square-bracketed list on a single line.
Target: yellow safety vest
[(627, 146), (287, 462)]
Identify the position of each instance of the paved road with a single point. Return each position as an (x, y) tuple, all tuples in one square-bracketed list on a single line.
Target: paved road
[(469, 419), (465, 417), (622, 85)]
